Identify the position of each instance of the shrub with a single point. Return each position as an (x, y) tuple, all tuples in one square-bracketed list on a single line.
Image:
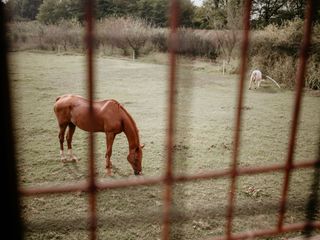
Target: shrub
[(159, 39), (192, 43), (34, 35), (109, 34), (25, 35), (196, 45), (71, 34), (313, 73)]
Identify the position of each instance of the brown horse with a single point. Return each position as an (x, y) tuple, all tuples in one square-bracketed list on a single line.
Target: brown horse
[(108, 116)]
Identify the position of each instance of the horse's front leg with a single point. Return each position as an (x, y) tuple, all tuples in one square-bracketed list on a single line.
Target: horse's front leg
[(109, 138), (251, 79), (61, 140)]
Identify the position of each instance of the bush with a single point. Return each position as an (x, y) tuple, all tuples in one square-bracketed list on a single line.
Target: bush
[(25, 35), (121, 33), (135, 34), (192, 43), (196, 44), (33, 35), (313, 73), (159, 39)]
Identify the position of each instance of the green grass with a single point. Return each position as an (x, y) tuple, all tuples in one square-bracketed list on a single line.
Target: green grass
[(205, 105)]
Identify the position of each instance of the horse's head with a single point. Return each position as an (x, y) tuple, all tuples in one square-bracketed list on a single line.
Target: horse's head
[(135, 159)]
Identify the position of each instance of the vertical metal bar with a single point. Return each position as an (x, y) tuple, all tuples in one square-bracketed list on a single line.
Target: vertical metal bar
[(89, 6), (243, 69), (312, 208), (10, 209), (297, 106), (168, 180)]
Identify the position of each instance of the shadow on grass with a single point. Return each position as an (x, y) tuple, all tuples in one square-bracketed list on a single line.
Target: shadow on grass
[(268, 89), (178, 217)]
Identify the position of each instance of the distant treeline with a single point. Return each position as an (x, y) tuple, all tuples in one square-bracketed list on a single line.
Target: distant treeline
[(213, 14)]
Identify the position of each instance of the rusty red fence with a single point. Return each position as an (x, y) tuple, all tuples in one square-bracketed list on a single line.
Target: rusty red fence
[(168, 179)]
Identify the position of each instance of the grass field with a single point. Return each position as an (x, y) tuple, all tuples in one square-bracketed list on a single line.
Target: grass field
[(205, 119)]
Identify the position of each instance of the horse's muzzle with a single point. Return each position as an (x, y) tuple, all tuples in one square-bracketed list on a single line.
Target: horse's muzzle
[(137, 173)]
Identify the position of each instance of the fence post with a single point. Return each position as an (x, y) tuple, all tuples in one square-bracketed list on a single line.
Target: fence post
[(10, 209)]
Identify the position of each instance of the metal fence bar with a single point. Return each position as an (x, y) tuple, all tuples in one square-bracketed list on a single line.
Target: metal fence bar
[(91, 186), (168, 179), (313, 204), (235, 151), (10, 211), (297, 106), (89, 8), (82, 186)]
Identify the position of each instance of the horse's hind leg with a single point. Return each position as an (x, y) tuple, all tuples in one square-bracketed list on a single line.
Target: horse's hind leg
[(70, 133), (251, 80), (110, 138), (61, 140), (259, 83)]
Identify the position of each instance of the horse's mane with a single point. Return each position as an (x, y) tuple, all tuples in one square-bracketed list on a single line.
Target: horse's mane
[(131, 119)]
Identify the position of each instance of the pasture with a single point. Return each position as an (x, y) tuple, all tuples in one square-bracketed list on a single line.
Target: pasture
[(204, 131)]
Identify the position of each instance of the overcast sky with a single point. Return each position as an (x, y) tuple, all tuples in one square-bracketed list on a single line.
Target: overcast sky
[(197, 2)]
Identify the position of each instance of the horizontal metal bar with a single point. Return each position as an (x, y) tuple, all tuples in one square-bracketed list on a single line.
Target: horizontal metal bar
[(217, 211), (270, 232), (83, 186)]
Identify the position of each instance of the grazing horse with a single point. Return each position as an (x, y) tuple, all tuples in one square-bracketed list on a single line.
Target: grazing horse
[(108, 116), (255, 78)]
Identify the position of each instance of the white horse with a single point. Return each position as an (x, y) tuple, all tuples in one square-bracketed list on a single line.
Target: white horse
[(256, 79)]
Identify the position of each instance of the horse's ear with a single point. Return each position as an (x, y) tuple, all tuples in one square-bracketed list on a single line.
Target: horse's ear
[(142, 145)]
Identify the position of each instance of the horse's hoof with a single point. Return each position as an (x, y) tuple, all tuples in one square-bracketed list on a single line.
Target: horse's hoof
[(139, 176), (72, 158), (137, 173), (109, 172)]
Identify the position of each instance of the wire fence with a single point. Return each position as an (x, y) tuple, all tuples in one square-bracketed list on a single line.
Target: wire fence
[(91, 186)]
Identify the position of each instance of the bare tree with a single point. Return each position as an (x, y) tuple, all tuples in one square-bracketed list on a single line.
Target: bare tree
[(124, 33)]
